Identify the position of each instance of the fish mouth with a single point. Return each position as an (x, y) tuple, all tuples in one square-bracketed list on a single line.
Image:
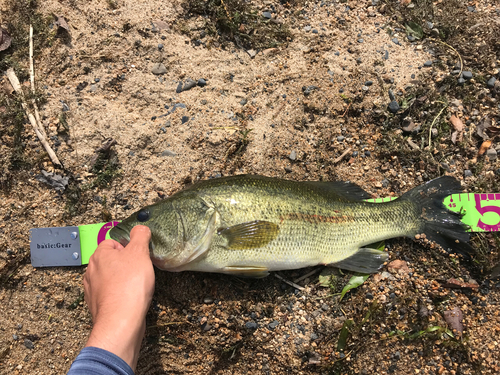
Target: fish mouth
[(120, 235)]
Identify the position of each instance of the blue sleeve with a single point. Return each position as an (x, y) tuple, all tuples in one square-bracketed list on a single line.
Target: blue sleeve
[(96, 361)]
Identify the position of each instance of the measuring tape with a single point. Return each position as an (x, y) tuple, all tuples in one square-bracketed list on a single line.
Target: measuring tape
[(73, 246)]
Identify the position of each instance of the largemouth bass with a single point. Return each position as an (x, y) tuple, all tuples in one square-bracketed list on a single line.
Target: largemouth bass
[(250, 225)]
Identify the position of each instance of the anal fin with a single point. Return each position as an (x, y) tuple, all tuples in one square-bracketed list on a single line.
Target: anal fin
[(247, 271), (365, 260)]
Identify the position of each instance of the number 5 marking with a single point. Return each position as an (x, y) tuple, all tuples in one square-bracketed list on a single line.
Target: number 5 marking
[(486, 209)]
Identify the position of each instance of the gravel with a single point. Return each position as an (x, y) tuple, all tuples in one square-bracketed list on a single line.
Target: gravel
[(491, 82), (159, 69), (467, 75), (293, 155)]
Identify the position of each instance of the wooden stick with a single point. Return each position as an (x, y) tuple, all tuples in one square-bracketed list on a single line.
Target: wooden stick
[(289, 282), (14, 81), (342, 156), (32, 79)]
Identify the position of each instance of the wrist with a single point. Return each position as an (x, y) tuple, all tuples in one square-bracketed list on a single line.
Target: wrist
[(119, 335)]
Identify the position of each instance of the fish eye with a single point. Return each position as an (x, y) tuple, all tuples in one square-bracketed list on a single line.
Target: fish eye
[(143, 215)]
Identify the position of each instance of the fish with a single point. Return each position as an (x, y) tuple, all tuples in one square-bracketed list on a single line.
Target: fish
[(250, 225)]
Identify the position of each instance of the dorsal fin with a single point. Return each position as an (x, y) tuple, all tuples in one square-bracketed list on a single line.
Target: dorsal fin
[(340, 190)]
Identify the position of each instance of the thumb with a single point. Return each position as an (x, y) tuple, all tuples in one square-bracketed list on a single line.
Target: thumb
[(140, 235)]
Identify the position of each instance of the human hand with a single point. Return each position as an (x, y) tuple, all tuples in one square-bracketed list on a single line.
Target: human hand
[(119, 285)]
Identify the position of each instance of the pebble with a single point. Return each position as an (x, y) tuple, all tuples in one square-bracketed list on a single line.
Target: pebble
[(208, 300), (252, 53), (368, 153), (461, 81), (467, 173), (365, 88), (360, 40), (391, 95), (29, 344), (492, 154), (178, 90), (314, 31), (267, 15), (395, 40), (160, 46), (368, 83), (251, 325), (158, 69), (93, 88), (97, 80), (428, 63), (243, 101), (293, 155), (201, 82), (184, 119), (273, 324), (307, 28), (15, 337), (355, 154), (189, 84), (340, 138), (393, 106), (491, 82), (467, 75), (308, 89), (434, 132), (168, 153)]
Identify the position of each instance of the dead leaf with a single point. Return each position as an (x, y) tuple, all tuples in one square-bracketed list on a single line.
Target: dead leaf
[(457, 123), (454, 319), (457, 284), (486, 145), (61, 23), (481, 128), (5, 39)]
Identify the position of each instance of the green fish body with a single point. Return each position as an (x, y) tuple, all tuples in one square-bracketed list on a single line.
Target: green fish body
[(250, 225)]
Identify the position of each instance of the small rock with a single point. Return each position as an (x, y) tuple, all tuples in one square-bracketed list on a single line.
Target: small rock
[(201, 82), (178, 90), (273, 324), (360, 40), (491, 82), (93, 88), (29, 344), (158, 69), (399, 266), (208, 300), (391, 95), (314, 31), (395, 40), (252, 53), (15, 337), (492, 154), (340, 138), (288, 170), (368, 83), (243, 101), (293, 155), (461, 81), (184, 119), (251, 325), (307, 28), (467, 75), (267, 15), (160, 46), (428, 63), (434, 132), (308, 89), (454, 319), (393, 106), (430, 25), (168, 153), (368, 153), (467, 173), (189, 84), (365, 88)]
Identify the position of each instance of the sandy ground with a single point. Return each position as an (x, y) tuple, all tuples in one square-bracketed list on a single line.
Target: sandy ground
[(251, 117)]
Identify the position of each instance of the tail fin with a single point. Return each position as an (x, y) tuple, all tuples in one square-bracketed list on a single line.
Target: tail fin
[(439, 224)]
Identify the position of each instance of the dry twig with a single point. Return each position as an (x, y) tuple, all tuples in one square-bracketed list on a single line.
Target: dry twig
[(14, 81)]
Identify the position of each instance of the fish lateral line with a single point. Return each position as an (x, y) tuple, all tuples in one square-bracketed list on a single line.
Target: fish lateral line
[(316, 219)]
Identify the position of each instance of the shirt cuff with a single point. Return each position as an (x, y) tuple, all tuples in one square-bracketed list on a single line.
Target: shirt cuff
[(97, 361)]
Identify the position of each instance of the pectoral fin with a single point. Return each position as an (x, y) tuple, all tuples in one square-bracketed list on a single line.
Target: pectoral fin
[(247, 271), (365, 260), (249, 235)]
